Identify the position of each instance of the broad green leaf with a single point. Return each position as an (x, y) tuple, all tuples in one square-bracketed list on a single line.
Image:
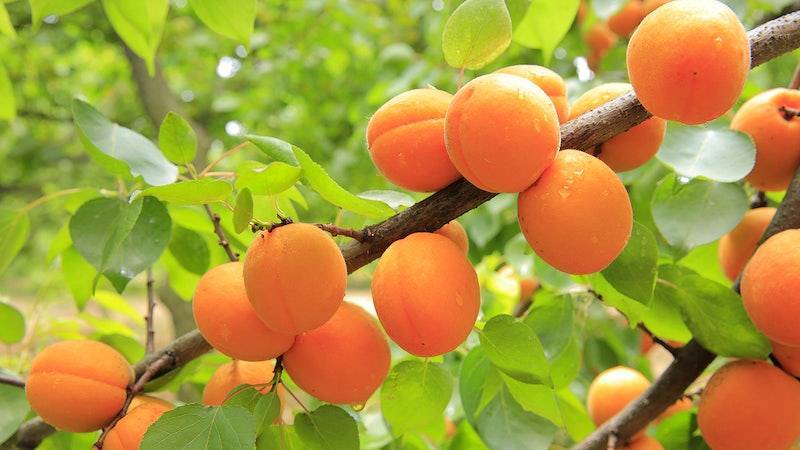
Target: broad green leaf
[(632, 309), (545, 25), (576, 419), (713, 152), (517, 10), (131, 349), (62, 440), (79, 276), (267, 179), (190, 249), (15, 227), (394, 199), (181, 280), (705, 261), (8, 106), (192, 192), (327, 428), (13, 409), (243, 211), (233, 19), (478, 383), (274, 148), (140, 24), (200, 427), (505, 424), (119, 150), (279, 437), (60, 243), (177, 139), (680, 431), (633, 272), (264, 407), (552, 317), (515, 349), (663, 317), (43, 8), (714, 313), (113, 302), (419, 386), (466, 438), (536, 398), (12, 324), (476, 33), (6, 27)]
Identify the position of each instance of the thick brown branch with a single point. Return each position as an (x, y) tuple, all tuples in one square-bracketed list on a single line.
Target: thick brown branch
[(11, 380)]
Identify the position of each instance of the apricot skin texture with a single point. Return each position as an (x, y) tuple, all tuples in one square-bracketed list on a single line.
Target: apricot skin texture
[(629, 149), (612, 390), (426, 294), (295, 277), (405, 137), (235, 373), (78, 386), (550, 82), (789, 357), (577, 216), (777, 140), (750, 405), (127, 434), (228, 321), (771, 288), (456, 233), (343, 361), (501, 132), (736, 247), (669, 65)]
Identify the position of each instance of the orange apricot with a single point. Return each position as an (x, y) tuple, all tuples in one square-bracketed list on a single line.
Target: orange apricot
[(527, 286), (227, 320), (736, 247), (551, 83), (426, 294), (789, 357), (236, 373), (456, 233), (78, 386), (501, 132), (343, 361), (612, 390), (643, 442), (645, 342), (405, 137), (629, 149), (127, 434), (669, 65), (553, 214), (771, 288), (295, 277), (600, 39), (750, 405), (776, 137), (144, 399), (624, 21), (652, 5)]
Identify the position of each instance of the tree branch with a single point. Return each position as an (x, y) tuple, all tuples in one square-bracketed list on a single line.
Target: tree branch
[(223, 241), (151, 306), (11, 380)]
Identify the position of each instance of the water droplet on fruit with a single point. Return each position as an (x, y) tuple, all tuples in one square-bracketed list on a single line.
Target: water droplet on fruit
[(358, 407), (459, 300), (564, 191)]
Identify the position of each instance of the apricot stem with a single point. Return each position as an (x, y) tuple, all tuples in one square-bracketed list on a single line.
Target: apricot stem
[(335, 230), (223, 156), (223, 241), (795, 83), (151, 305), (659, 341), (296, 399)]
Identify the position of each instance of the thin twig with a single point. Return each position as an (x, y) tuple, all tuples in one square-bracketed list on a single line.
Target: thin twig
[(150, 345), (223, 156), (335, 230), (759, 200), (666, 345), (223, 241), (795, 83), (296, 399), (277, 372), (11, 380)]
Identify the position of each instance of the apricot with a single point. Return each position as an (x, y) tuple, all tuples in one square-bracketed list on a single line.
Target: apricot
[(629, 149), (426, 294), (295, 276), (78, 386), (750, 405), (551, 83), (645, 342), (501, 132), (600, 39), (144, 399), (527, 286), (771, 288), (669, 65), (456, 233), (405, 137), (777, 139), (343, 361), (644, 442), (624, 21), (227, 320), (652, 5), (577, 217), (736, 247), (789, 357), (612, 390), (127, 434), (236, 373)]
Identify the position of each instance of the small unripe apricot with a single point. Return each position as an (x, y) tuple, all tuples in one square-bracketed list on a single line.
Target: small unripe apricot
[(776, 137), (600, 39), (750, 405), (343, 361), (553, 214), (669, 66), (612, 390), (78, 386), (736, 247), (235, 373), (456, 233), (789, 357), (629, 149), (228, 321), (127, 434), (295, 277), (771, 287), (551, 83), (405, 137), (426, 294), (501, 132), (624, 21), (652, 5), (643, 442)]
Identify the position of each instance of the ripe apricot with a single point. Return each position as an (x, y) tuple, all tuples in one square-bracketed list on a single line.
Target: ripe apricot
[(600, 39), (771, 287), (643, 442), (789, 357), (144, 399), (612, 390), (669, 65), (235, 373), (127, 434), (405, 137), (624, 21), (645, 342), (629, 149), (736, 247), (343, 361), (527, 286), (228, 321), (426, 294), (750, 405), (652, 5), (551, 83), (295, 277), (501, 132), (577, 217), (78, 386), (456, 233), (777, 139)]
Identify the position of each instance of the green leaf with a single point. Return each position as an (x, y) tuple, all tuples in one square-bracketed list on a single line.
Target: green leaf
[(198, 427), (177, 139), (233, 19), (43, 8), (419, 386), (270, 179), (327, 428), (62, 440), (12, 324), (6, 27), (552, 319), (633, 273), (515, 349), (243, 211), (113, 302), (264, 407), (394, 199), (119, 150), (479, 382), (8, 107), (192, 192), (79, 276), (15, 226), (476, 33), (13, 409), (274, 148), (281, 437), (545, 25), (505, 424), (129, 347), (517, 10), (190, 249), (713, 152), (140, 24), (680, 431)]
